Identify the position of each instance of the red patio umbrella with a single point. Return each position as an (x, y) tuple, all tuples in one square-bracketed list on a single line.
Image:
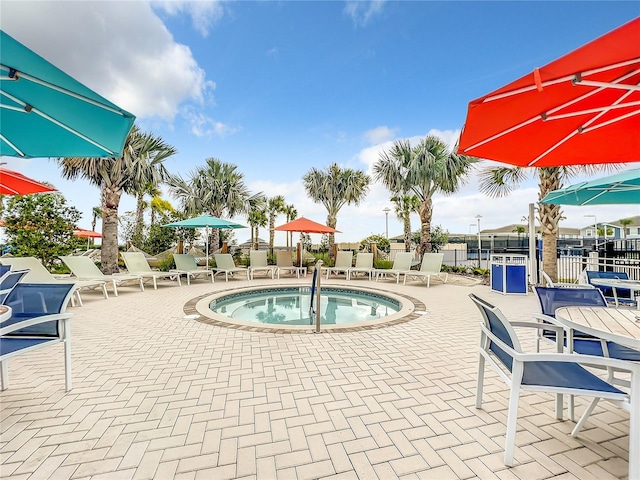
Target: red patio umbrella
[(582, 108), (88, 234), (14, 183), (304, 225)]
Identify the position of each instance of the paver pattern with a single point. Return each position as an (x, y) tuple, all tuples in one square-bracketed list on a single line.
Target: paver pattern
[(158, 395)]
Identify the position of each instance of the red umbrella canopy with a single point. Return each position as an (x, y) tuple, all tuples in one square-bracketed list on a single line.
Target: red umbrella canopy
[(305, 225), (84, 233), (14, 183), (582, 108)]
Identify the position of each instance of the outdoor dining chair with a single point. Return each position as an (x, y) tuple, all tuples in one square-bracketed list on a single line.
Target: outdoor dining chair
[(38, 319), (431, 266), (555, 373), (9, 280), (623, 295)]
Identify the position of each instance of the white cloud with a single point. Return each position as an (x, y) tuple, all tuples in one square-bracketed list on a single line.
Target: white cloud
[(122, 50), (361, 11), (204, 126), (204, 13), (380, 134)]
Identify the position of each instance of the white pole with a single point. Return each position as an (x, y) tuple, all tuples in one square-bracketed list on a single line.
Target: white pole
[(207, 247), (533, 267)]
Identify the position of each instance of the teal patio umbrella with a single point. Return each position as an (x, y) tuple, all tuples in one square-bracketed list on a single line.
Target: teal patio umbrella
[(621, 188), (205, 221), (44, 112)]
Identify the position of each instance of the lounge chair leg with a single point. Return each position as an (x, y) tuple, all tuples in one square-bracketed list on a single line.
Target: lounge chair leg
[(115, 288), (104, 290)]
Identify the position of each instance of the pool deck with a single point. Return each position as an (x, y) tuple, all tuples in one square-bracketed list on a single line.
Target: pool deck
[(157, 394)]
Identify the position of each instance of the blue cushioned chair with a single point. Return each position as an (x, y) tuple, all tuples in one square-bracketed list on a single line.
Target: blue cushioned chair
[(553, 298), (9, 279), (624, 294), (556, 373), (37, 319)]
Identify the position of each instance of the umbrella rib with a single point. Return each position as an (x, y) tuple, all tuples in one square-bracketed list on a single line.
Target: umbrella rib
[(15, 149), (561, 80), (31, 109), (64, 91)]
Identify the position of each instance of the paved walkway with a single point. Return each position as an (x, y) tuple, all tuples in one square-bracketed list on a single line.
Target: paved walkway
[(158, 395)]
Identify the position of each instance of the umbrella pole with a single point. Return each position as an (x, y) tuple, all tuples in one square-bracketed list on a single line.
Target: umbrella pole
[(207, 248), (533, 264)]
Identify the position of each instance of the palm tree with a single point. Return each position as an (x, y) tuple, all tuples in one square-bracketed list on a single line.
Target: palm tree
[(217, 189), (275, 205), (96, 212), (159, 207), (405, 205), (291, 214), (334, 188), (625, 222), (423, 170), (141, 205), (140, 164), (256, 218), (500, 181)]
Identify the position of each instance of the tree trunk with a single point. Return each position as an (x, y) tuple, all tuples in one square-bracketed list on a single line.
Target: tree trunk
[(426, 212), (109, 252), (407, 233), (272, 224), (549, 216), (331, 222)]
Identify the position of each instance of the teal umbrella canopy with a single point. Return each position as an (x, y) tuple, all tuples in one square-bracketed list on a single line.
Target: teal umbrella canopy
[(204, 221), (621, 188), (46, 113)]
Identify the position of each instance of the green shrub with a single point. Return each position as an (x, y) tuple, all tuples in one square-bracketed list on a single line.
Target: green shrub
[(382, 263), (167, 264)]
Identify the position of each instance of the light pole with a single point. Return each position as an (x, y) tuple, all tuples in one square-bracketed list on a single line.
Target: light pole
[(595, 224), (386, 211), (478, 217)]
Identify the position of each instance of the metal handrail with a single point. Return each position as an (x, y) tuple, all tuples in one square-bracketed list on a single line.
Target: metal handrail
[(315, 288)]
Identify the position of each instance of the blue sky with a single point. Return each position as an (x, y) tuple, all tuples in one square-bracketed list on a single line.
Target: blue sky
[(279, 87)]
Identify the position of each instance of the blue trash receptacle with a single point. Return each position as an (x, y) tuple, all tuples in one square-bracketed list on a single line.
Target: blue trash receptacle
[(509, 274)]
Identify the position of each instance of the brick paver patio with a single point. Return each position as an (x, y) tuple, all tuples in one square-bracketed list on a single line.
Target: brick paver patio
[(158, 395)]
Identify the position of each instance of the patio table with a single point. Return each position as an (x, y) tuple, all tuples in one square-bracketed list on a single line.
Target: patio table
[(623, 327), (5, 313)]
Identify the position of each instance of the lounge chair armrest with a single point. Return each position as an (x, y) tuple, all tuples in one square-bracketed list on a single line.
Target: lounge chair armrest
[(35, 321)]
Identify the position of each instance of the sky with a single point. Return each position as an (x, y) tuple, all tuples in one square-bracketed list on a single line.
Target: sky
[(279, 87)]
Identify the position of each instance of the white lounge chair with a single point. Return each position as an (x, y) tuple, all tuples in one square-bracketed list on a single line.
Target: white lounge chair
[(344, 261), (364, 264), (431, 265), (401, 265), (186, 265), (39, 274), (137, 265), (258, 263), (226, 265), (83, 268), (284, 262)]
